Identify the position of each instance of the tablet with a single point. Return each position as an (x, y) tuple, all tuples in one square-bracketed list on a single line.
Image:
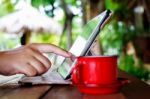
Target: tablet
[(83, 43)]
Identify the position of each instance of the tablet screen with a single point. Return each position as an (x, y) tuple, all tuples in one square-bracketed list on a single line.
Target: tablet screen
[(83, 42)]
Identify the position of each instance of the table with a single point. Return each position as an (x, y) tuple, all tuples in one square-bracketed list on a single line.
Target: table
[(136, 89)]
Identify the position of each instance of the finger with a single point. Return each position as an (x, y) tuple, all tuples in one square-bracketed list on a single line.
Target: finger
[(38, 65), (39, 56), (51, 48), (28, 70), (73, 57)]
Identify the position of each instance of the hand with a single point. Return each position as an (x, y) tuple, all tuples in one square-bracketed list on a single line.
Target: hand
[(29, 59)]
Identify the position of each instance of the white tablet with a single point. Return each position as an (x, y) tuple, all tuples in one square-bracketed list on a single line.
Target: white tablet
[(83, 42)]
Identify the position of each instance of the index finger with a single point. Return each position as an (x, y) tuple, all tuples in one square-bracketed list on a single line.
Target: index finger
[(46, 48)]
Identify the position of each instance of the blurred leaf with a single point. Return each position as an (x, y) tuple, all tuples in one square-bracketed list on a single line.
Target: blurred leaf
[(37, 3), (6, 7), (45, 38), (127, 63), (120, 8), (110, 4), (72, 2), (8, 41)]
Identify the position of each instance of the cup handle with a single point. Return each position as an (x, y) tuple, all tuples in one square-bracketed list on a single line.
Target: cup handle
[(75, 74)]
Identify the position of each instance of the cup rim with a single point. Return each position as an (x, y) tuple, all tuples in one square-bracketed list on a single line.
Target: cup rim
[(99, 56)]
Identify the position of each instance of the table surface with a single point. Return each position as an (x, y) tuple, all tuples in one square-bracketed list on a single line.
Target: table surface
[(136, 89)]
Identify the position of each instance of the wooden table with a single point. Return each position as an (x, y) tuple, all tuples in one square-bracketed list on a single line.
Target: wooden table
[(137, 89)]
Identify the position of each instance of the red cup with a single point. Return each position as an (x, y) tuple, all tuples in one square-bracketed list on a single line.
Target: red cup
[(95, 71)]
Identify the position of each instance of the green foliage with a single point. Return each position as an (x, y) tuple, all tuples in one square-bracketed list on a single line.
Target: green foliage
[(71, 2), (127, 63), (116, 34), (45, 38), (37, 3), (44, 3), (8, 41), (119, 7), (111, 4), (6, 7)]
